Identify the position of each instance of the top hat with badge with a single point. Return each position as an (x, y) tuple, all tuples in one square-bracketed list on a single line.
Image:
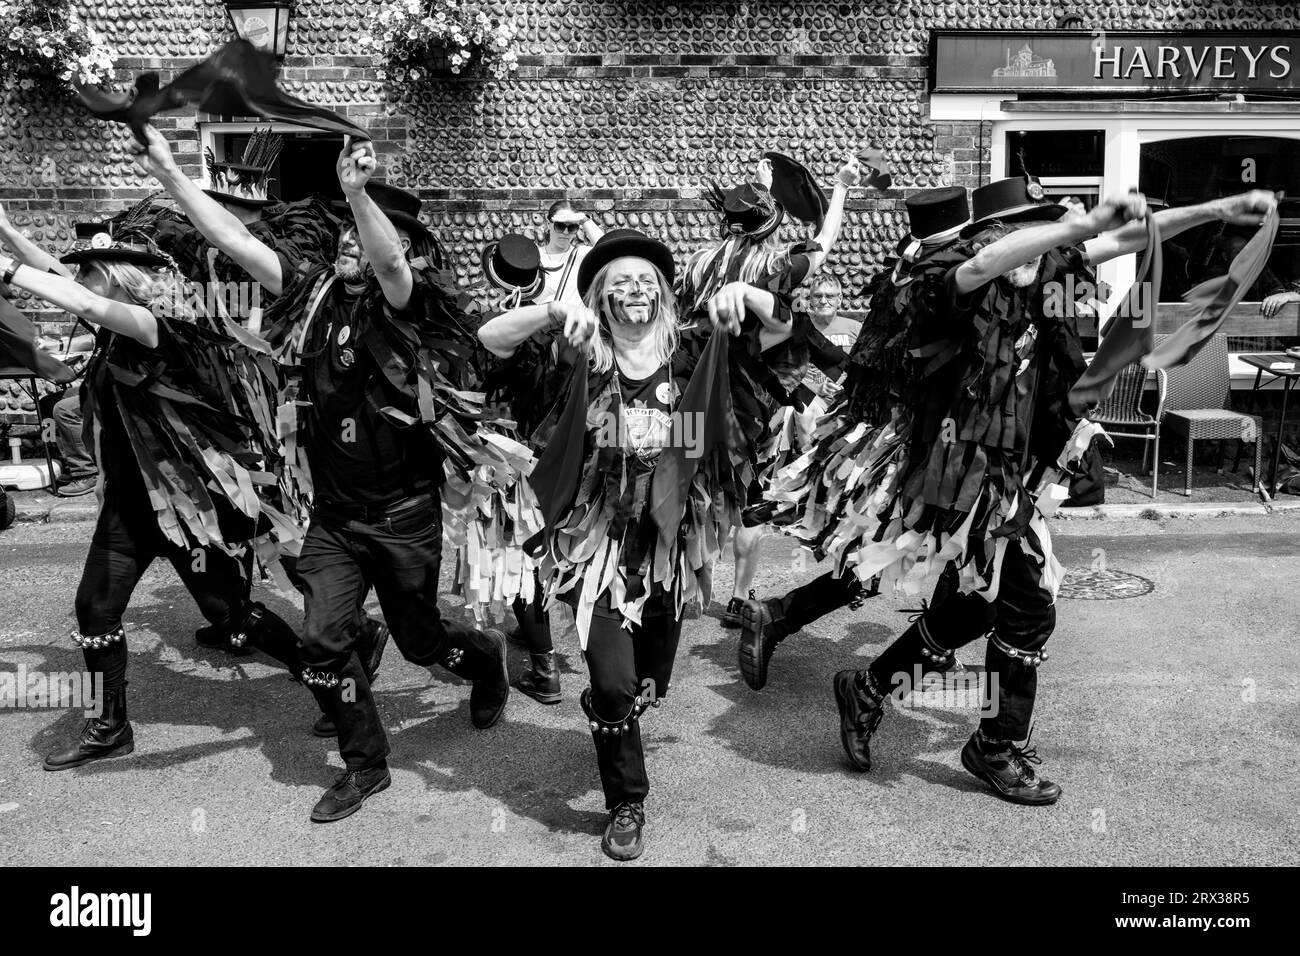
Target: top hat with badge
[(755, 211), (111, 241), (400, 206), (1014, 200), (245, 183)]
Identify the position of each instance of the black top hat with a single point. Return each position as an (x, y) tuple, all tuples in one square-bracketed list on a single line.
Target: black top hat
[(1010, 200), (935, 211), (244, 183), (796, 190), (400, 206), (618, 243), (747, 210), (102, 246), (513, 263)]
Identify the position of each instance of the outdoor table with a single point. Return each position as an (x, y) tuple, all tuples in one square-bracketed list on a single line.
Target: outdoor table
[(20, 375), (1262, 362)]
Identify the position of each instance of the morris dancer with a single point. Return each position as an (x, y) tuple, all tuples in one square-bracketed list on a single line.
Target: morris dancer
[(749, 252), (643, 473), (176, 412), (365, 332), (818, 498), (993, 434)]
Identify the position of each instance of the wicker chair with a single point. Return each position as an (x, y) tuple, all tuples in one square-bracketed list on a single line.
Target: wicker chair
[(1123, 410), (1196, 406)]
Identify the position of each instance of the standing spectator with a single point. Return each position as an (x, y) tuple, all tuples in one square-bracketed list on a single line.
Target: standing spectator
[(562, 252)]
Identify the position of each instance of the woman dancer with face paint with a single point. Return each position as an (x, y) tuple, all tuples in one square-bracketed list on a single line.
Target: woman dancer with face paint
[(645, 464)]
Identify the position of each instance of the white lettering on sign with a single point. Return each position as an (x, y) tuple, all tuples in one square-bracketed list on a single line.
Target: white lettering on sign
[(1173, 62)]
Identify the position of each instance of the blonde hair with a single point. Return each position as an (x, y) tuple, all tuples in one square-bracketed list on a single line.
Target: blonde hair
[(766, 257), (667, 331), (163, 291)]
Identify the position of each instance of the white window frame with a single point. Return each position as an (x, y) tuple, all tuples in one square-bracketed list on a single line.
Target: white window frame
[(210, 131)]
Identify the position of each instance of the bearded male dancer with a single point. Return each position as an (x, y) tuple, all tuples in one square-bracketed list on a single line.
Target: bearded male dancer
[(361, 331), (993, 436)]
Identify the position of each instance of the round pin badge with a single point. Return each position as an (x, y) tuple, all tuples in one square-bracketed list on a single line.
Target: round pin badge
[(101, 240), (347, 358), (1035, 191), (664, 393), (345, 333)]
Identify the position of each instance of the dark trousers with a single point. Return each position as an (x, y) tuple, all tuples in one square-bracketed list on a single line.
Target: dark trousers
[(625, 665), (1022, 617), (341, 560), (817, 598), (126, 541), (534, 620)]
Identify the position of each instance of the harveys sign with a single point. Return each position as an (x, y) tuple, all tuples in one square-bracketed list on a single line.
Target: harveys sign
[(989, 61)]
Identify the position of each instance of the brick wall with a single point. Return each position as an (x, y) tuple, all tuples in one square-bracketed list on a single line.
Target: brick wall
[(630, 108)]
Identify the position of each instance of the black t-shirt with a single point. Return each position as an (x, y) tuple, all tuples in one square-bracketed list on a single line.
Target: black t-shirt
[(646, 425), (357, 454)]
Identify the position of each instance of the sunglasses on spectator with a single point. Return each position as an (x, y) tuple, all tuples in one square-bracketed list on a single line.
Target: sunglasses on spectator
[(565, 226)]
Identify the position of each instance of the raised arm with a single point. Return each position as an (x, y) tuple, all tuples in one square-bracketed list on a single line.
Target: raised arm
[(1025, 245), (1244, 209), (379, 238), (134, 321), (847, 176), (503, 334), (219, 226), (28, 252)]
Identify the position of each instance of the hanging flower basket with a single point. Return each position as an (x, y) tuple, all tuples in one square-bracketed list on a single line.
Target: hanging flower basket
[(45, 46), (418, 39)]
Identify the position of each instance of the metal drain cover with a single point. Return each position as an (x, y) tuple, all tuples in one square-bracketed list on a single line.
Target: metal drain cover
[(1089, 584)]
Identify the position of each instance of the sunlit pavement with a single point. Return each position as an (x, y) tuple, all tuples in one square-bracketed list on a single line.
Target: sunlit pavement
[(1170, 720)]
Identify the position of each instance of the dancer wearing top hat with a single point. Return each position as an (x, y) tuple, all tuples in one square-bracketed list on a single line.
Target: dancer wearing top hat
[(381, 433), (177, 414), (749, 251), (992, 435), (818, 497), (646, 458), (299, 233)]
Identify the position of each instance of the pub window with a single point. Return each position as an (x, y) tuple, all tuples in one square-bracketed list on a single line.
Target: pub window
[(1183, 172), (1067, 163), (304, 168)]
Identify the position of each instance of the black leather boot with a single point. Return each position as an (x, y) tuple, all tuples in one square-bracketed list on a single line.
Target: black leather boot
[(1009, 770), (108, 735), (861, 706), (762, 627), (480, 656), (217, 637), (542, 681)]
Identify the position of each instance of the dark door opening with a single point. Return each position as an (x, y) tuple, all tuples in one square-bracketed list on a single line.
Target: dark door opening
[(305, 166)]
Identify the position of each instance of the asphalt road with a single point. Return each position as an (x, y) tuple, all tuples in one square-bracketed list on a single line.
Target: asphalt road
[(1170, 720)]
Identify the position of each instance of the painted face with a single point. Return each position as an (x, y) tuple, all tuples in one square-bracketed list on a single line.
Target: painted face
[(1023, 276), (351, 261), (824, 301), (631, 291)]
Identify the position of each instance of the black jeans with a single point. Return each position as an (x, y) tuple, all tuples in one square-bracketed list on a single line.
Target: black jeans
[(1022, 617), (625, 665), (534, 620), (341, 559), (817, 598), (126, 541)]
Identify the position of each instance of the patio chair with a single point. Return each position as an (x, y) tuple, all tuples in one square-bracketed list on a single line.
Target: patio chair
[(1123, 410), (1196, 406)]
